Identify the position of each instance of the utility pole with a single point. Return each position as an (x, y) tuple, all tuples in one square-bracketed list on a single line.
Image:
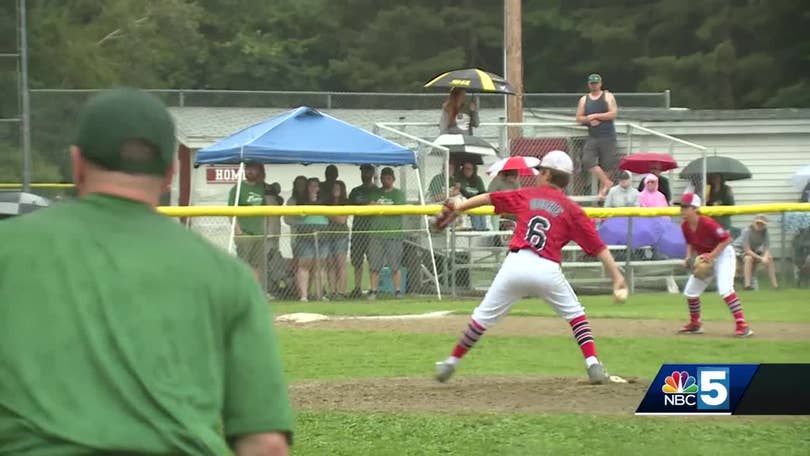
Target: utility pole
[(513, 47), (25, 124)]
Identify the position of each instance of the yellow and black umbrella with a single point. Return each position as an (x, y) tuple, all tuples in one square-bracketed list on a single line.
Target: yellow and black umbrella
[(471, 80)]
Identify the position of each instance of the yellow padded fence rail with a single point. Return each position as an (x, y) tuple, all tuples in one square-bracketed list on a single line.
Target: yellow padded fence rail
[(432, 209)]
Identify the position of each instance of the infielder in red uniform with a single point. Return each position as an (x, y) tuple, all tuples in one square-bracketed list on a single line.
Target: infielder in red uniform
[(707, 238), (546, 221)]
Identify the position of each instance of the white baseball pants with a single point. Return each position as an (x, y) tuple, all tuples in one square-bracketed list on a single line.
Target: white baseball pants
[(724, 267), (525, 274)]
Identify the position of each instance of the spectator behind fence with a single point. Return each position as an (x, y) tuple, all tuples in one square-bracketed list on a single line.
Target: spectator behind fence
[(308, 248), (597, 110), (437, 190), (387, 236), (663, 183), (470, 184), (299, 193), (250, 231), (651, 197), (330, 176), (623, 194), (361, 195), (458, 117), (336, 242), (753, 246), (272, 197), (505, 180), (720, 194)]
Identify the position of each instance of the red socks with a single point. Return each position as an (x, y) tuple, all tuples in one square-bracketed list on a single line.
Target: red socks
[(469, 337)]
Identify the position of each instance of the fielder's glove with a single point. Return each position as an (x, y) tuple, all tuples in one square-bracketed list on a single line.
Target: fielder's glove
[(444, 218), (702, 267)]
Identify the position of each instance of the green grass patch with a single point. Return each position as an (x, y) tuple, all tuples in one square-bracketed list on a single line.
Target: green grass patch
[(333, 354), (384, 434), (791, 305)]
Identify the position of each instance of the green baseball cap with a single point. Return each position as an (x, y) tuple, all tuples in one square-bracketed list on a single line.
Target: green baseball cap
[(593, 77), (114, 117)]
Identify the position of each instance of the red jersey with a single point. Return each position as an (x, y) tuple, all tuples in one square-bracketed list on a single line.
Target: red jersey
[(706, 236), (547, 220)]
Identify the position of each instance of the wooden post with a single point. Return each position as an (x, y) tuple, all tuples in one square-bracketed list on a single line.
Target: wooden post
[(514, 64)]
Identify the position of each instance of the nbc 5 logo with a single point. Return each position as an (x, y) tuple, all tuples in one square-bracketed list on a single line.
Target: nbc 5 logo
[(709, 391)]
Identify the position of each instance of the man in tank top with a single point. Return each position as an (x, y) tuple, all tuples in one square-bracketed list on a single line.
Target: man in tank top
[(598, 110)]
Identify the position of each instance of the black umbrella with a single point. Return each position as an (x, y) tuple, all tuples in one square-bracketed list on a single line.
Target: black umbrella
[(471, 80), (731, 169), (17, 203), (465, 148)]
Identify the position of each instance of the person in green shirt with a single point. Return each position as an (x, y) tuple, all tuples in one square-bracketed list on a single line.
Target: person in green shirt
[(360, 196), (385, 247), (250, 231), (437, 189), (122, 332), (470, 184)]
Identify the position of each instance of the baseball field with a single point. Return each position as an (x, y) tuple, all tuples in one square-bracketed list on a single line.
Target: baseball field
[(364, 385)]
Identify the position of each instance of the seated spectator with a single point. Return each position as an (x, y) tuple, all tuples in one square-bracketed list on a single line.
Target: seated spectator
[(458, 117), (336, 243), (651, 197), (663, 183), (505, 180), (623, 194), (753, 246), (720, 194), (470, 184), (438, 184)]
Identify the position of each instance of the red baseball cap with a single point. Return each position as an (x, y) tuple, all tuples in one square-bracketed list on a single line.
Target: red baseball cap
[(690, 199)]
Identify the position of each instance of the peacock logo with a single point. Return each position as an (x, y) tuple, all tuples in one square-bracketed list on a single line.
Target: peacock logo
[(680, 383)]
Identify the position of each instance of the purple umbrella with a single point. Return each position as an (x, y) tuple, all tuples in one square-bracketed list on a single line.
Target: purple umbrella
[(672, 244), (646, 231)]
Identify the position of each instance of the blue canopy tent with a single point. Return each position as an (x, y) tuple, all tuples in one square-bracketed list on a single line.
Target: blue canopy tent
[(306, 136)]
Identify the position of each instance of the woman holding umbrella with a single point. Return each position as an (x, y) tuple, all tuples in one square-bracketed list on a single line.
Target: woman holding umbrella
[(458, 116)]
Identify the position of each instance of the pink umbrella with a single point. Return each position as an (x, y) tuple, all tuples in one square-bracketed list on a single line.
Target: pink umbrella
[(642, 162), (524, 165)]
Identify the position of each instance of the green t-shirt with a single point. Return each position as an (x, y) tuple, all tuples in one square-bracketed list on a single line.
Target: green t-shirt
[(249, 195), (121, 331), (471, 187), (388, 222), (361, 196), (436, 188)]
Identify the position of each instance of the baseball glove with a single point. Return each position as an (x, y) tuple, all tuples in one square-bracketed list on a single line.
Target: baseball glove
[(702, 267), (444, 218)]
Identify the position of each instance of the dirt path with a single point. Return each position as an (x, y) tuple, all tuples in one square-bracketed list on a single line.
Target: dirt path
[(470, 394), (535, 326)]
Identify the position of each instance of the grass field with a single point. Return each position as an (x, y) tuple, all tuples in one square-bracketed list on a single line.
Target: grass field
[(366, 388)]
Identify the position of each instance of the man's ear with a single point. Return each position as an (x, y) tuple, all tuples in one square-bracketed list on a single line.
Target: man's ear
[(169, 177), (78, 166)]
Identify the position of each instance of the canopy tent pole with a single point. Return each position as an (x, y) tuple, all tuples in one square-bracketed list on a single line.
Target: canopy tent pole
[(239, 176), (429, 236)]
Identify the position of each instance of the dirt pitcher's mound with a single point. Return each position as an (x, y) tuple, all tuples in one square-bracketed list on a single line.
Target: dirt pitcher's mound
[(471, 394)]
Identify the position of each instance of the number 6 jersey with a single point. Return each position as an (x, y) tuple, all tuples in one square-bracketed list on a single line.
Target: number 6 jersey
[(547, 220)]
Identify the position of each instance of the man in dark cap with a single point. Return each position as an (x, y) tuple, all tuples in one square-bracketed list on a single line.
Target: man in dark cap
[(121, 331)]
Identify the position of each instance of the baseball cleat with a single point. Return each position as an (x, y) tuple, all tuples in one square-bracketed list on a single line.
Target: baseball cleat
[(743, 331), (444, 371), (597, 374), (691, 328)]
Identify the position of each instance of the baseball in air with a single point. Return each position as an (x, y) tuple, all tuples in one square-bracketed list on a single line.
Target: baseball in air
[(620, 295)]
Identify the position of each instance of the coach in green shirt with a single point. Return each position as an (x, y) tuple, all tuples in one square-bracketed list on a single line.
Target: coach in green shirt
[(386, 238), (250, 231), (122, 332)]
